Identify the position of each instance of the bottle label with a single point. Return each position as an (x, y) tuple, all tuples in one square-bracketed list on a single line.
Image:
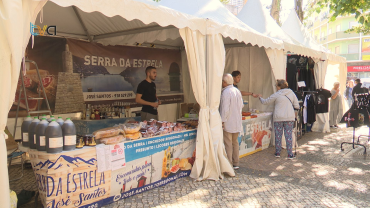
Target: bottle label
[(70, 140), (25, 136), (42, 141), (56, 142)]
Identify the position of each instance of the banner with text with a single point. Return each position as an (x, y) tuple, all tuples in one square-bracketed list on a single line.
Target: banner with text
[(114, 72), (256, 134), (151, 163), (72, 179)]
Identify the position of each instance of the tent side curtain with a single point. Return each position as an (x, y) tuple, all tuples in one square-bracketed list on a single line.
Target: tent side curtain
[(206, 165), (215, 57), (15, 18)]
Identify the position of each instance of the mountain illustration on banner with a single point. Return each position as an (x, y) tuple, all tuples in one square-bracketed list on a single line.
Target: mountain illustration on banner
[(65, 161)]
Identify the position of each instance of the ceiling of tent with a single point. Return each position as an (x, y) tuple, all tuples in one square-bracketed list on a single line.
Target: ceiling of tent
[(116, 30), (71, 22)]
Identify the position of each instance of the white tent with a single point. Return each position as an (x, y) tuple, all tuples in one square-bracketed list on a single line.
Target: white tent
[(256, 17), (125, 22), (296, 30), (15, 18)]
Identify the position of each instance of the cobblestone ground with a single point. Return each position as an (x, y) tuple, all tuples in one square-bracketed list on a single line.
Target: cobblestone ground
[(321, 176)]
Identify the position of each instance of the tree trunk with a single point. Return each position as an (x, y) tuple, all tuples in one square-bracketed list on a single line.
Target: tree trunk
[(275, 10), (298, 9)]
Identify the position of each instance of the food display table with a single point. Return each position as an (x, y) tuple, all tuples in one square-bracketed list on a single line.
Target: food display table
[(72, 179), (257, 134), (89, 126)]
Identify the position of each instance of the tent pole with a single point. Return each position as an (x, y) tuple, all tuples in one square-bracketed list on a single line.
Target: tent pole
[(82, 23)]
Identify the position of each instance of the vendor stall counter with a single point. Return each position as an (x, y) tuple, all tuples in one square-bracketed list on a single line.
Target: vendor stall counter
[(92, 176), (73, 179), (256, 135)]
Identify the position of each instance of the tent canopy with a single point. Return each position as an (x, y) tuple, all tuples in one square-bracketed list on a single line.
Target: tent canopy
[(223, 22), (256, 17), (121, 25), (298, 32)]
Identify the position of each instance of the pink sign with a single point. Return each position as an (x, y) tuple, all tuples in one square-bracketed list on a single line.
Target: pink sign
[(358, 68)]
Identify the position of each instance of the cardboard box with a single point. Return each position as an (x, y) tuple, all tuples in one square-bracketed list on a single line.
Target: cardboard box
[(186, 107)]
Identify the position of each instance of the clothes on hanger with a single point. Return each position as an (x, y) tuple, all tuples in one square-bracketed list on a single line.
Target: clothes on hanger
[(323, 96), (305, 110), (309, 110), (311, 85), (291, 76), (358, 114), (350, 118)]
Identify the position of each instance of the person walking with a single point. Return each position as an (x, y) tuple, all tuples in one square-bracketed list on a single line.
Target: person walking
[(336, 108), (231, 106), (348, 93), (285, 102)]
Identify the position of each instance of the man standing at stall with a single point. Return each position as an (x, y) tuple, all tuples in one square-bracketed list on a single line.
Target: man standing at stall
[(237, 76), (146, 95), (231, 114)]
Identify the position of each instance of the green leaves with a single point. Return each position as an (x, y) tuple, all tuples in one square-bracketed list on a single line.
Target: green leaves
[(344, 8)]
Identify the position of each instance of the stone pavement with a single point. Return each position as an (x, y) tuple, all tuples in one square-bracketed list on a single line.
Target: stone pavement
[(320, 176)]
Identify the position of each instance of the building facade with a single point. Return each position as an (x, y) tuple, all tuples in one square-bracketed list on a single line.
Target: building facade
[(354, 47)]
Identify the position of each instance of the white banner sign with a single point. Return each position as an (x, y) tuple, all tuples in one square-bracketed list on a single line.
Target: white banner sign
[(98, 96)]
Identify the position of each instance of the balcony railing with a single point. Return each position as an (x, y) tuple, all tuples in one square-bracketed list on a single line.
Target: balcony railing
[(351, 56), (338, 35)]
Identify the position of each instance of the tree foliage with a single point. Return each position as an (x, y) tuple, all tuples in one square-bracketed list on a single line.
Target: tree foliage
[(347, 7), (225, 1), (222, 1), (298, 9), (275, 10)]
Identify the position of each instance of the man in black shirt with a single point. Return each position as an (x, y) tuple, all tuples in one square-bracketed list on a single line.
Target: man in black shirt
[(146, 95), (358, 88), (237, 76)]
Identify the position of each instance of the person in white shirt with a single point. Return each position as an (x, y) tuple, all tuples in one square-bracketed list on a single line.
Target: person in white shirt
[(231, 106)]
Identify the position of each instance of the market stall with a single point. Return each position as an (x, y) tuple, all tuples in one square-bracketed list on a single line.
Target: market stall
[(122, 22), (111, 165)]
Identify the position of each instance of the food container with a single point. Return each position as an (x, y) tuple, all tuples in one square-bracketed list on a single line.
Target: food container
[(87, 138), (92, 141), (79, 142)]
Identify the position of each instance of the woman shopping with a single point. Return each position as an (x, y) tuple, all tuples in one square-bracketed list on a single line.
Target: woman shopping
[(336, 107), (285, 102)]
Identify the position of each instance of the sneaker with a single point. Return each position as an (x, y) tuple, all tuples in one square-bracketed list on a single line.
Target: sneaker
[(235, 167), (336, 126), (277, 155), (291, 157)]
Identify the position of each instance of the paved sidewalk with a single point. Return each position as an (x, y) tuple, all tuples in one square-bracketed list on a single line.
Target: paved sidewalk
[(320, 176)]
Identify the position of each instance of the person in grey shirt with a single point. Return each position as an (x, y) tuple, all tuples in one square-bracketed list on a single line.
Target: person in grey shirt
[(285, 102)]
